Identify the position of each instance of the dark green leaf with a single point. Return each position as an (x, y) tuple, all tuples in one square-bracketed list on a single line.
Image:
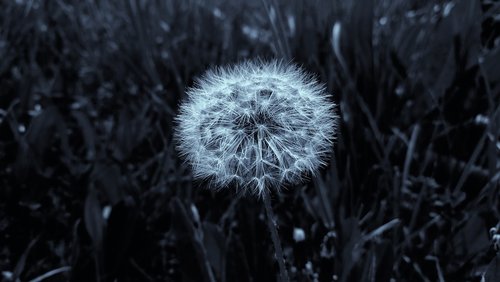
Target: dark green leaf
[(93, 218)]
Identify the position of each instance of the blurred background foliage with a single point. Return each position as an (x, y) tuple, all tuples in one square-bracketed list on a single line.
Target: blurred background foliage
[(91, 188)]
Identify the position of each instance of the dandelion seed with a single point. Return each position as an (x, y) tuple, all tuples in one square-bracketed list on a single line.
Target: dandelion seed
[(257, 125)]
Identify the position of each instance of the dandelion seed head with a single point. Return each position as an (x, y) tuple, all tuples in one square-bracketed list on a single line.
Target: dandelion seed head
[(257, 124)]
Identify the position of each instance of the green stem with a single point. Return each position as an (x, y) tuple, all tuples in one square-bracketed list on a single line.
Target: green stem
[(274, 235)]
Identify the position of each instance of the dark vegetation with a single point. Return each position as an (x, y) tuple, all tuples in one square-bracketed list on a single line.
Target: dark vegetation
[(92, 189)]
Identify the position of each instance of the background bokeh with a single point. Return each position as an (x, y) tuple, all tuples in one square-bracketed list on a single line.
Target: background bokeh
[(92, 189)]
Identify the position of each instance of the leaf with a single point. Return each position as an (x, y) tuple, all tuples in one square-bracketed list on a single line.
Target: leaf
[(215, 244), (188, 241), (472, 239), (238, 268), (465, 22), (107, 178), (359, 25), (93, 218), (40, 137), (351, 252), (88, 133), (21, 263), (492, 273), (398, 64), (41, 130), (120, 232), (323, 203), (491, 66), (132, 127)]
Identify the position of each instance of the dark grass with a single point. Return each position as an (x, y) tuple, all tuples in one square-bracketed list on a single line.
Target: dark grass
[(89, 89)]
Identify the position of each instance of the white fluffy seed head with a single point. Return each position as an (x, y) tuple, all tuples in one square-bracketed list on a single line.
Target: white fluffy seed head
[(257, 125)]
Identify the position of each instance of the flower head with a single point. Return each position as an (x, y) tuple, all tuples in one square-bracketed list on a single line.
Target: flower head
[(256, 124)]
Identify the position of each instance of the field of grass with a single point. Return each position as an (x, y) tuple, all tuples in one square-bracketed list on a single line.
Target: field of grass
[(92, 188)]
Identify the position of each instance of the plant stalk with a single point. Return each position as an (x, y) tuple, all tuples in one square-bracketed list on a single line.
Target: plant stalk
[(271, 222)]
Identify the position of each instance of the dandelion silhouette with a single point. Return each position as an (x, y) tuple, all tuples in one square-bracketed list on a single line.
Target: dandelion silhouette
[(257, 125)]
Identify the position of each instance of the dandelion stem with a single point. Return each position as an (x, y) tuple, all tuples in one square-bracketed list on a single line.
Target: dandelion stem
[(271, 222)]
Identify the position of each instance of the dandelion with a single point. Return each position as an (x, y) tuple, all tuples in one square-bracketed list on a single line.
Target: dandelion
[(257, 125)]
